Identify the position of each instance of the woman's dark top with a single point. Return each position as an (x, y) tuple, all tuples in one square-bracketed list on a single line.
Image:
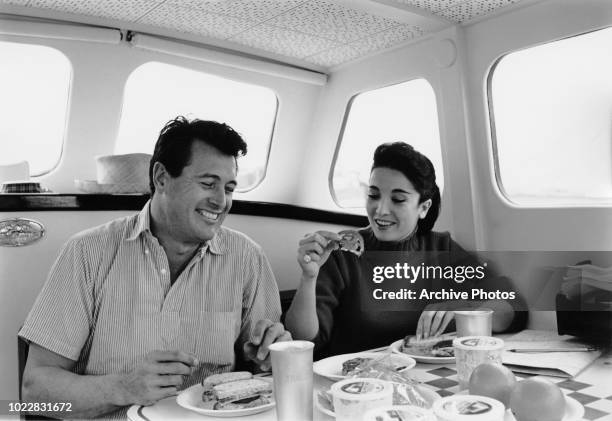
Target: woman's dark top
[(351, 320)]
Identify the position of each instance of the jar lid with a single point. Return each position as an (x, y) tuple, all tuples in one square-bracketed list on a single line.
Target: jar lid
[(399, 413), (359, 389), (469, 408), (482, 343)]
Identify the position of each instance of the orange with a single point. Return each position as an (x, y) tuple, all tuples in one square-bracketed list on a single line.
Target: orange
[(492, 380), (537, 399)]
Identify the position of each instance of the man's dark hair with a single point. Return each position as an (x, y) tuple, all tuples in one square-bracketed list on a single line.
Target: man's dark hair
[(419, 170), (173, 146)]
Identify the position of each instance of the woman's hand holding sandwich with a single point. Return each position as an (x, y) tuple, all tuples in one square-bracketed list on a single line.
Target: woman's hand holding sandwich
[(265, 333), (314, 250)]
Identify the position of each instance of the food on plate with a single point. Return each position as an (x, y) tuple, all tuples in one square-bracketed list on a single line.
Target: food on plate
[(235, 390), (437, 346), (349, 366), (351, 241), (537, 399), (209, 382), (384, 362), (251, 402), (494, 381)]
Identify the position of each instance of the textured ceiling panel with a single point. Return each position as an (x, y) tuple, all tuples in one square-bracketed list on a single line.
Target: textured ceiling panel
[(284, 42), (195, 21), (431, 5), (332, 21), (15, 2), (254, 10), (387, 39), (112, 9), (335, 56), (459, 11), (322, 32), (473, 8)]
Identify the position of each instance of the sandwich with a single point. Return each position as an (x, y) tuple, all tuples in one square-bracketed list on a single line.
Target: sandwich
[(349, 366), (351, 241), (436, 346), (216, 379), (235, 390)]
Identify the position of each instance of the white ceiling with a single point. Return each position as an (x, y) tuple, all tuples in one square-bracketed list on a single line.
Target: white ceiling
[(324, 33)]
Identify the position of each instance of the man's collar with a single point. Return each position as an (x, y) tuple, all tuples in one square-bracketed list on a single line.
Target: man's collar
[(216, 245), (143, 224)]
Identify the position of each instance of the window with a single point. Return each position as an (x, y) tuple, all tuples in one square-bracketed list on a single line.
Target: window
[(34, 86), (405, 112), (156, 93), (551, 108)]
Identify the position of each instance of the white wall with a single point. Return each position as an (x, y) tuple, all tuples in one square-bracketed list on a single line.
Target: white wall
[(500, 225)]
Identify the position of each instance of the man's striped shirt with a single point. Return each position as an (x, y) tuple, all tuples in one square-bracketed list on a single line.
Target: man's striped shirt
[(109, 301)]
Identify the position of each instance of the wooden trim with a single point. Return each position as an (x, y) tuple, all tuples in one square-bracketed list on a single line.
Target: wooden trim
[(135, 202)]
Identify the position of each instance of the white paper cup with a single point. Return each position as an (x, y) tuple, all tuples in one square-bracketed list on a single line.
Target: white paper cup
[(354, 397), (469, 408), (471, 351), (399, 413), (474, 322), (293, 377)]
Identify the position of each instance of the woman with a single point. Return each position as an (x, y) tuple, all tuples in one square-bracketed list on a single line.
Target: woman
[(334, 305)]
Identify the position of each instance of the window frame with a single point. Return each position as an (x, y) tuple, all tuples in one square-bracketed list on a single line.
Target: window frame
[(70, 81), (349, 105), (184, 66), (490, 115)]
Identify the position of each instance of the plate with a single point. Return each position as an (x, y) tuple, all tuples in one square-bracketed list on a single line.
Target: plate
[(430, 395), (397, 346), (191, 398), (574, 410), (331, 367)]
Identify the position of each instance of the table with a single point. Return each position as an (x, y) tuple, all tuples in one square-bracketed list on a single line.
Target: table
[(592, 388)]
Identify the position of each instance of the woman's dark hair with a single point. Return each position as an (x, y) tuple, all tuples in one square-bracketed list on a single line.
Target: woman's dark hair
[(173, 146), (419, 170)]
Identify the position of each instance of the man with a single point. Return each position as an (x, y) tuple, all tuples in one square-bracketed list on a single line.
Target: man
[(143, 306)]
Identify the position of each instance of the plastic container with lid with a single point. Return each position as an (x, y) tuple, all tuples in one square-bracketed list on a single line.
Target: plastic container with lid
[(471, 351), (354, 397), (469, 408), (399, 413)]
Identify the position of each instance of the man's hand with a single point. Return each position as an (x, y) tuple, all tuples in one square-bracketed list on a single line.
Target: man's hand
[(265, 333), (157, 377)]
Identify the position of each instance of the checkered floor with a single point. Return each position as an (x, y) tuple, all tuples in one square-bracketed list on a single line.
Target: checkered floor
[(596, 407)]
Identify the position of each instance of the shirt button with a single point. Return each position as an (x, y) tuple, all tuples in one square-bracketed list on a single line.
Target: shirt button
[(163, 271), (146, 251)]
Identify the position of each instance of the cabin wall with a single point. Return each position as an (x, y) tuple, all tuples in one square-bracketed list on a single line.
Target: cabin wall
[(499, 224)]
